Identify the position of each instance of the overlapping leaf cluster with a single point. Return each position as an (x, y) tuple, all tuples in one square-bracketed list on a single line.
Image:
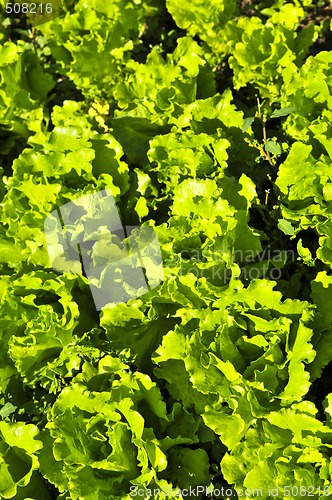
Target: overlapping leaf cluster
[(211, 124)]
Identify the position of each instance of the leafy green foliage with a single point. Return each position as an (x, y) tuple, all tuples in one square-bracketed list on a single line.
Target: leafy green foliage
[(211, 125), (24, 88)]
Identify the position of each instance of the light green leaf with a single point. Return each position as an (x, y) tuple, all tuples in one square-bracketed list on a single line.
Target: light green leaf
[(247, 122), (286, 227), (282, 112), (272, 147), (305, 254), (230, 428), (7, 410), (299, 355)]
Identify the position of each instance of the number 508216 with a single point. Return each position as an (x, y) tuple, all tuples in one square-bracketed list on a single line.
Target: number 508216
[(29, 8)]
